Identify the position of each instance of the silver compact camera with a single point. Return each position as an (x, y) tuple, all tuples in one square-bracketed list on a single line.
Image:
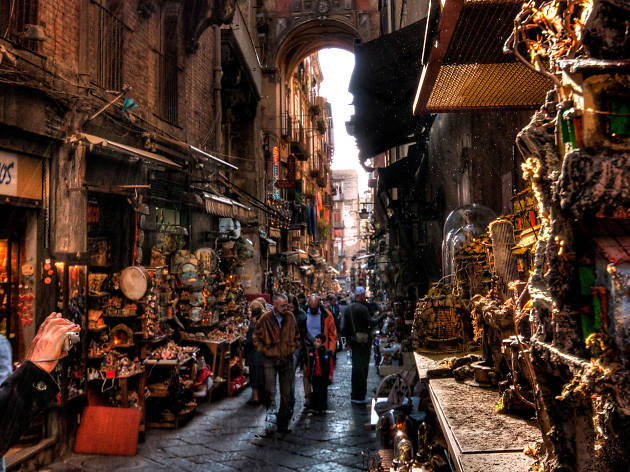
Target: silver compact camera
[(71, 340)]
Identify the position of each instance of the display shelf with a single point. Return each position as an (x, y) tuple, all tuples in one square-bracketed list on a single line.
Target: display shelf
[(157, 340), (167, 362), (158, 394), (183, 415), (119, 377), (123, 346)]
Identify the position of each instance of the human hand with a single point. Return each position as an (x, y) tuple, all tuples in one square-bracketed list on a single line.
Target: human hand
[(47, 346)]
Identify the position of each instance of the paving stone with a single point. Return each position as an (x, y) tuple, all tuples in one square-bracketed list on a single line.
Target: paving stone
[(224, 436)]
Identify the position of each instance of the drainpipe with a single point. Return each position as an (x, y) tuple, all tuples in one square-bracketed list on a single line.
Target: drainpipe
[(218, 75)]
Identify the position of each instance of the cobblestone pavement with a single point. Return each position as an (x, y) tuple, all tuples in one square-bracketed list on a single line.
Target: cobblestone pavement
[(224, 436)]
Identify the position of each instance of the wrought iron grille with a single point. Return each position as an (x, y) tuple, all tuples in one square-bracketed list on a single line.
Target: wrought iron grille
[(168, 84), (109, 48), (17, 15)]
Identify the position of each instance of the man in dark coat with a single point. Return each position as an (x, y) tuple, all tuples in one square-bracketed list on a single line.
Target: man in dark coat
[(27, 392), (357, 329)]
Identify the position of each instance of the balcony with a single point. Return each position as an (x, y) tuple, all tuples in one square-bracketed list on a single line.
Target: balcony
[(293, 130), (322, 178)]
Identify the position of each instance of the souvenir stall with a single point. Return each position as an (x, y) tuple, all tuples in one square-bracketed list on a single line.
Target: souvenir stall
[(486, 262), (165, 331)]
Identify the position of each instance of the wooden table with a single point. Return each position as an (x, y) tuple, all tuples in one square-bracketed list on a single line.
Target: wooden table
[(124, 395), (480, 439)]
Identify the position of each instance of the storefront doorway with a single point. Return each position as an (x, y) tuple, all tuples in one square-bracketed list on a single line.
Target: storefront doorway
[(13, 310)]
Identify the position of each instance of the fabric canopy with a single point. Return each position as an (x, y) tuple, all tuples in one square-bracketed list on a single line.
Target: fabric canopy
[(383, 84)]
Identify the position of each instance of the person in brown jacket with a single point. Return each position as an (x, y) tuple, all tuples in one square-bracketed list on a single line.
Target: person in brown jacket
[(276, 336)]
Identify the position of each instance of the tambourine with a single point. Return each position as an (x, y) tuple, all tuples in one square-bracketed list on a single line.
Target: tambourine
[(134, 282)]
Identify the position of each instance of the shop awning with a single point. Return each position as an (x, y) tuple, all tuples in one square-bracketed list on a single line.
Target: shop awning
[(467, 69), (225, 207), (107, 143), (210, 156), (383, 84)]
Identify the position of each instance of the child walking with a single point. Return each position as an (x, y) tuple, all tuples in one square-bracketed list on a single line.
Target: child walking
[(320, 371)]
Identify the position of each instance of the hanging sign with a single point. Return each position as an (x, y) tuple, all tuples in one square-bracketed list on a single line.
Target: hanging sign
[(276, 171), (8, 173), (20, 176), (289, 182)]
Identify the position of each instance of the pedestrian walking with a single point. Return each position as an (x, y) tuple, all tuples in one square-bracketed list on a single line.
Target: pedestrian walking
[(320, 372), (357, 328), (299, 355), (254, 358), (276, 336), (318, 321)]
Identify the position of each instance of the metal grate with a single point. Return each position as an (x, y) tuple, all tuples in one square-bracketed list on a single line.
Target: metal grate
[(481, 32), (479, 86), (109, 49), (20, 14), (168, 86)]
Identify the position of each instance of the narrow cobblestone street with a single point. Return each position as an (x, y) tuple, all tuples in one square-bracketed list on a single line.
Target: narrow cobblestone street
[(223, 436)]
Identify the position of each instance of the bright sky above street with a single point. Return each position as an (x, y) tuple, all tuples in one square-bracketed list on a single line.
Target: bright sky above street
[(337, 65)]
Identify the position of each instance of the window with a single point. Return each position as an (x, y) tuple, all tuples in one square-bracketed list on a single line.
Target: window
[(109, 46), (16, 18), (168, 82), (337, 215)]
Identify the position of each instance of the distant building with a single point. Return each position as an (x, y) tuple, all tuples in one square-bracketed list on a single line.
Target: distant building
[(345, 188)]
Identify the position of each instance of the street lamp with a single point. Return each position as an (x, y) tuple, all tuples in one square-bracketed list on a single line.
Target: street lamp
[(363, 214)]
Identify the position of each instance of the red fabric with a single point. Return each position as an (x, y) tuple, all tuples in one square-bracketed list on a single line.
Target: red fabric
[(202, 376), (317, 372), (109, 431), (237, 384)]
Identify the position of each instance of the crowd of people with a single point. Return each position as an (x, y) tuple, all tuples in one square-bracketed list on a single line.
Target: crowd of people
[(303, 334), (291, 333)]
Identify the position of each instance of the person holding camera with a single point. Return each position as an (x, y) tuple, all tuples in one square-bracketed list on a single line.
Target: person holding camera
[(357, 328), (26, 393)]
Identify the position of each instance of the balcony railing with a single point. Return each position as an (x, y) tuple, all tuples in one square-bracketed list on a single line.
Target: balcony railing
[(294, 132)]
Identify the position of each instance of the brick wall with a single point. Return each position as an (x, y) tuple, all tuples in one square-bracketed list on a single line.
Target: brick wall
[(70, 49)]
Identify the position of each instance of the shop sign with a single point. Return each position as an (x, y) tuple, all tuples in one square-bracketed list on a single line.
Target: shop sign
[(8, 174), (276, 171), (289, 182), (20, 176)]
